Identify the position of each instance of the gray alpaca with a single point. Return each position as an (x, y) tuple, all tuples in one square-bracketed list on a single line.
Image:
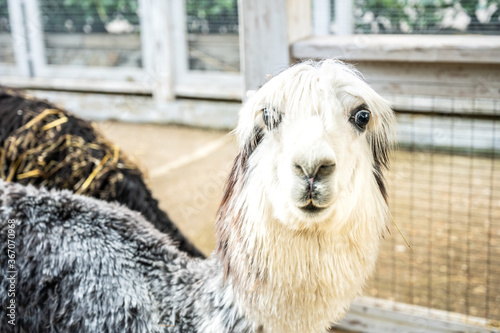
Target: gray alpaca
[(298, 228), (88, 266)]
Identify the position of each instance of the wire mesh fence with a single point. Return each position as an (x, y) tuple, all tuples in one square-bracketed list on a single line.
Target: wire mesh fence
[(212, 35), (91, 33), (444, 191), (6, 49), (420, 17), (445, 181), (98, 33), (427, 17)]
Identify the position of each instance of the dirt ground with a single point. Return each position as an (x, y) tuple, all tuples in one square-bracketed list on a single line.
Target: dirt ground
[(447, 205)]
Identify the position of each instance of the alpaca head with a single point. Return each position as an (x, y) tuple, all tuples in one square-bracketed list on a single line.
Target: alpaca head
[(313, 145)]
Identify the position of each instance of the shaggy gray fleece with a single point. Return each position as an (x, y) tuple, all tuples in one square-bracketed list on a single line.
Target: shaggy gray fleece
[(89, 266)]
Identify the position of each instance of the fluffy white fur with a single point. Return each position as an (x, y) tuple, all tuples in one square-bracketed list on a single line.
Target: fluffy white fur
[(295, 271)]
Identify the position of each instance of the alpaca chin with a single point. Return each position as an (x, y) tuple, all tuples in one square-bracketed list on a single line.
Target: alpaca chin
[(301, 220)]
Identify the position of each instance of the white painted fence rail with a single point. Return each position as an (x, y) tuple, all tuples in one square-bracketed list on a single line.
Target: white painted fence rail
[(373, 315)]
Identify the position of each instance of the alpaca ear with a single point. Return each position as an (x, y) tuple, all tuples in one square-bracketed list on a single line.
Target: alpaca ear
[(382, 134), (381, 140), (381, 143)]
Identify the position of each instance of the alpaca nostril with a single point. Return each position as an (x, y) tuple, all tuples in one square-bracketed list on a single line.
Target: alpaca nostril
[(325, 169), (297, 168), (314, 171)]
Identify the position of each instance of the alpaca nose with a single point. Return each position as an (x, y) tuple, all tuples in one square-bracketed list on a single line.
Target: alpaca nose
[(313, 171)]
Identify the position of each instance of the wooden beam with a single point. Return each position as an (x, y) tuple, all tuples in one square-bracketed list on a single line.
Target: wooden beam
[(34, 29), (179, 33), (263, 40), (146, 35), (19, 37), (212, 85), (144, 109), (266, 30), (373, 315), (8, 69), (299, 20), (69, 84), (344, 12), (321, 17), (157, 39), (414, 48)]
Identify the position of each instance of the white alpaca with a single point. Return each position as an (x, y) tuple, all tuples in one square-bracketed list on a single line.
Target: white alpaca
[(298, 229)]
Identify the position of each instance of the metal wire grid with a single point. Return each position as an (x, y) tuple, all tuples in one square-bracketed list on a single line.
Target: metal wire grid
[(4, 17), (422, 17), (91, 33), (427, 17), (212, 35), (86, 16), (447, 201), (6, 50)]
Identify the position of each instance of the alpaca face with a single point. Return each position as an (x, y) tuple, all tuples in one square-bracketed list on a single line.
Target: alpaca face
[(317, 145)]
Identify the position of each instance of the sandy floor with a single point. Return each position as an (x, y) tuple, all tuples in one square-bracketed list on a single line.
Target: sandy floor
[(448, 207)]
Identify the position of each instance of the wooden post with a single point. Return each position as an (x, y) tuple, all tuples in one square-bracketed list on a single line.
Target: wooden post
[(19, 37), (156, 37), (343, 17), (27, 36), (266, 30), (321, 17), (299, 19), (34, 30)]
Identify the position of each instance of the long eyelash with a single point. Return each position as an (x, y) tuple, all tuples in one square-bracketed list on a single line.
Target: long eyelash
[(359, 108)]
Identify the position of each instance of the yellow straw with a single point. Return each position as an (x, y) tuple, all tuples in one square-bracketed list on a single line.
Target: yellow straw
[(92, 175), (54, 123), (407, 244), (29, 174), (42, 115)]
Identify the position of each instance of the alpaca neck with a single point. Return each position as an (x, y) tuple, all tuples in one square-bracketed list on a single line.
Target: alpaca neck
[(300, 283)]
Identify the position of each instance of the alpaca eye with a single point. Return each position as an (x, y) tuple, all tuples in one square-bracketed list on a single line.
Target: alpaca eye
[(271, 118), (266, 116), (361, 119)]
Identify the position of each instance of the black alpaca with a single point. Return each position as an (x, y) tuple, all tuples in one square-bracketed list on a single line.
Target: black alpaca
[(44, 145)]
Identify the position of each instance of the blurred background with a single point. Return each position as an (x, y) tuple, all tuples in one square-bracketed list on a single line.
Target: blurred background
[(165, 79)]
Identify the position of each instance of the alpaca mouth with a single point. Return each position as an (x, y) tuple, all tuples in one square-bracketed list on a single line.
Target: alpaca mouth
[(311, 208)]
